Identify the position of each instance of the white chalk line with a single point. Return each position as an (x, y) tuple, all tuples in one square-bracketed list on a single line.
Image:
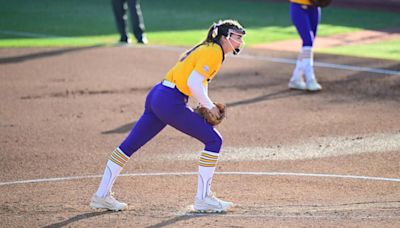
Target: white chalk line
[(293, 62), (324, 65), (284, 216), (317, 147), (243, 56), (54, 179)]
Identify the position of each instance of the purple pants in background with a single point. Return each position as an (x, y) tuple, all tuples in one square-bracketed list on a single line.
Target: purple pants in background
[(306, 20)]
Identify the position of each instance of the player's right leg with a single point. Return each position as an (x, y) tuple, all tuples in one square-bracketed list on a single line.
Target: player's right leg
[(145, 129), (181, 117)]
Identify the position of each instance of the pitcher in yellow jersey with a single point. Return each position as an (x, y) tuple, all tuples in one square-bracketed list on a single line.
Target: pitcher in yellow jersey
[(166, 104), (305, 17)]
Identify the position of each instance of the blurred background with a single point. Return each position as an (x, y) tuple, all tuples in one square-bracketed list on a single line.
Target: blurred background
[(49, 23)]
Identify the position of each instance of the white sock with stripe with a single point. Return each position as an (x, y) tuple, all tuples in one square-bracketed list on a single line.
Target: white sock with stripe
[(308, 63), (207, 163), (113, 168), (298, 70)]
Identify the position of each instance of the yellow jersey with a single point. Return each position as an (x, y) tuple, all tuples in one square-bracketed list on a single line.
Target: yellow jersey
[(206, 59), (303, 2)]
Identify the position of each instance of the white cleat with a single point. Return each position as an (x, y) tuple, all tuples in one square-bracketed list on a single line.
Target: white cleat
[(211, 204), (313, 86), (297, 84), (108, 202)]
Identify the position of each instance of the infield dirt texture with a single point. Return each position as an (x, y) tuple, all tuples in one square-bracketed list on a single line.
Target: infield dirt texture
[(290, 158)]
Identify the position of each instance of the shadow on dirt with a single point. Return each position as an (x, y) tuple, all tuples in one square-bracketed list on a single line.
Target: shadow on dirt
[(354, 88), (265, 97), (77, 218), (43, 54), (120, 130), (269, 96), (363, 87), (177, 219)]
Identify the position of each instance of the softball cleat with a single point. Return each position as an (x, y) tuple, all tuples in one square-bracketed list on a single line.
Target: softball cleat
[(211, 204), (313, 86), (297, 84), (108, 202)]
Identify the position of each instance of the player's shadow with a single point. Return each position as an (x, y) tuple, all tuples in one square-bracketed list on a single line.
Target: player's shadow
[(364, 87), (177, 219), (270, 96), (77, 218), (43, 54), (120, 130)]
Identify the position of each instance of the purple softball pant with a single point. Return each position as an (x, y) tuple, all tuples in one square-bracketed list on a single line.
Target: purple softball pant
[(165, 105), (306, 20)]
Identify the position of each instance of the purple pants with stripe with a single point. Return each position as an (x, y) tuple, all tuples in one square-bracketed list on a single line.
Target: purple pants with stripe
[(164, 106), (306, 20)]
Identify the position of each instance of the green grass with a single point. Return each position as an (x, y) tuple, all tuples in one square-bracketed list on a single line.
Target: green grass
[(168, 22), (381, 50)]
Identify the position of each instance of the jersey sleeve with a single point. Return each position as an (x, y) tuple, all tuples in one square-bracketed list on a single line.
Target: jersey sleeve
[(209, 62)]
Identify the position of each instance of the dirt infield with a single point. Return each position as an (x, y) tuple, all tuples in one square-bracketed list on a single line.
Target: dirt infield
[(290, 158), (362, 37)]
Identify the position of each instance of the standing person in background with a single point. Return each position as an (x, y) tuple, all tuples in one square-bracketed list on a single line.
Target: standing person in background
[(166, 104), (305, 17), (120, 14)]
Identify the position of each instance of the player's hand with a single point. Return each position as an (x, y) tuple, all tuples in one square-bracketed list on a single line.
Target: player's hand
[(215, 111)]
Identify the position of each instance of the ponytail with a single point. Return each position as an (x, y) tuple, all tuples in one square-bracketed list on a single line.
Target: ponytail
[(222, 28)]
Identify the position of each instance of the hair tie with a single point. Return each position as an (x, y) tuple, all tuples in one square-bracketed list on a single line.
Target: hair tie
[(215, 29)]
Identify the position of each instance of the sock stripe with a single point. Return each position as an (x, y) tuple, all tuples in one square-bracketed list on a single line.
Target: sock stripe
[(208, 160), (116, 162), (208, 156), (118, 159), (306, 54), (118, 153), (207, 165)]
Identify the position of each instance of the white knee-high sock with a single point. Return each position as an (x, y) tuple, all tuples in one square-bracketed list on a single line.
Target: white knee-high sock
[(113, 168), (207, 163), (308, 63), (298, 70)]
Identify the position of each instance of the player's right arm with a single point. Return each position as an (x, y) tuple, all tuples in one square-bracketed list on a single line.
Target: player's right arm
[(195, 84)]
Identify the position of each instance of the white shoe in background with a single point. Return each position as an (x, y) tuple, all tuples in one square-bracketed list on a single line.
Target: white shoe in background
[(297, 84), (313, 85)]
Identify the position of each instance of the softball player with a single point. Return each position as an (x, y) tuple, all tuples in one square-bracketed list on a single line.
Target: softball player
[(305, 18), (166, 104)]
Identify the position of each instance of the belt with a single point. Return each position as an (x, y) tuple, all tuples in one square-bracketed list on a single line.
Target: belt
[(168, 84)]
